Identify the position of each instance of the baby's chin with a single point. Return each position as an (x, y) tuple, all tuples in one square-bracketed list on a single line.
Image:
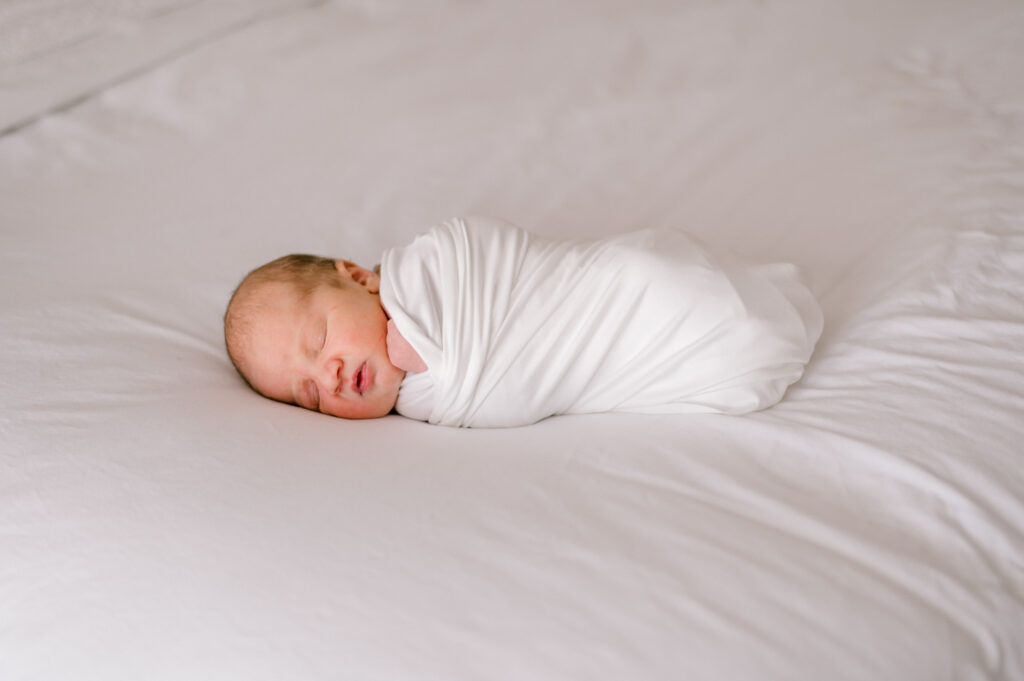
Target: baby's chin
[(363, 411)]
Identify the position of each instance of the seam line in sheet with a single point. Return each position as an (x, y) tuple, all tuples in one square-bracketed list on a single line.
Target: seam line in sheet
[(153, 64)]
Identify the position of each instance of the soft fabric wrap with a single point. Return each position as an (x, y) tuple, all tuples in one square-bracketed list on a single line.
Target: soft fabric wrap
[(514, 327)]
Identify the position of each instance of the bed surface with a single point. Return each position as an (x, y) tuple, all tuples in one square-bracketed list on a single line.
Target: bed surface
[(160, 521)]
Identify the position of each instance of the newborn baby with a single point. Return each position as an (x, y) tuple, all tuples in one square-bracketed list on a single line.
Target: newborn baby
[(479, 323)]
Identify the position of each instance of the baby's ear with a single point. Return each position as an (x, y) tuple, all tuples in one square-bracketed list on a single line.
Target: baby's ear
[(362, 276)]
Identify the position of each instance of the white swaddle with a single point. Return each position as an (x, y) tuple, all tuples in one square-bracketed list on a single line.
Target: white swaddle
[(514, 327)]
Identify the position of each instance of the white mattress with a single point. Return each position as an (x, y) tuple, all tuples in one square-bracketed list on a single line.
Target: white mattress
[(160, 521)]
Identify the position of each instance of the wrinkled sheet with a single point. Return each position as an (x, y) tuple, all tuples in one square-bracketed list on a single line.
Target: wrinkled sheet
[(513, 327), (160, 521)]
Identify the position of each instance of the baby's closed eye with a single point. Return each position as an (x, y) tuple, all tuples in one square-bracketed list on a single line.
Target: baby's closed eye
[(310, 397)]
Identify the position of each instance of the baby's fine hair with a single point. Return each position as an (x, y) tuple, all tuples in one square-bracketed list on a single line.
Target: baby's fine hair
[(304, 272)]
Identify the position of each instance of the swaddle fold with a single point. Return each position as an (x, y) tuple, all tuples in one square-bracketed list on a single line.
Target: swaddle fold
[(514, 327)]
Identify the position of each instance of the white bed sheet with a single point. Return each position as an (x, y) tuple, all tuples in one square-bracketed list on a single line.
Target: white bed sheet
[(159, 521)]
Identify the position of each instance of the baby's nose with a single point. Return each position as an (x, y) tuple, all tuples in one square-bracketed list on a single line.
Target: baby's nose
[(330, 377)]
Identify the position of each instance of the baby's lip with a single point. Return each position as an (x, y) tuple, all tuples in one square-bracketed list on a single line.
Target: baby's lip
[(361, 379)]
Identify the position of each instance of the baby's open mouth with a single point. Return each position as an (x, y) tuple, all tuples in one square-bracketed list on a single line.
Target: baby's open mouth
[(362, 379)]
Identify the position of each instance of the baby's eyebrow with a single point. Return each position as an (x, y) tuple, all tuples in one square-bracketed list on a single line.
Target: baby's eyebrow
[(307, 337)]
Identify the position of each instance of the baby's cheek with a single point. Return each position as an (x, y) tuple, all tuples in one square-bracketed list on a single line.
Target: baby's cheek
[(348, 336)]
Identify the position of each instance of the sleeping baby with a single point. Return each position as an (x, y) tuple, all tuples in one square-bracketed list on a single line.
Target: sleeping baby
[(480, 323)]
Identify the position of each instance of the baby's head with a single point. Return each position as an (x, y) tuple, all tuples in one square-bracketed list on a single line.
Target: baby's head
[(311, 331)]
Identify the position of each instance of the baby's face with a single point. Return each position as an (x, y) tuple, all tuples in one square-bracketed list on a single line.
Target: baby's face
[(327, 353)]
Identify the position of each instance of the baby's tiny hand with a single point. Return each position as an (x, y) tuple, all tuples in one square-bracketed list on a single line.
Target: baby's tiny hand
[(401, 354)]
